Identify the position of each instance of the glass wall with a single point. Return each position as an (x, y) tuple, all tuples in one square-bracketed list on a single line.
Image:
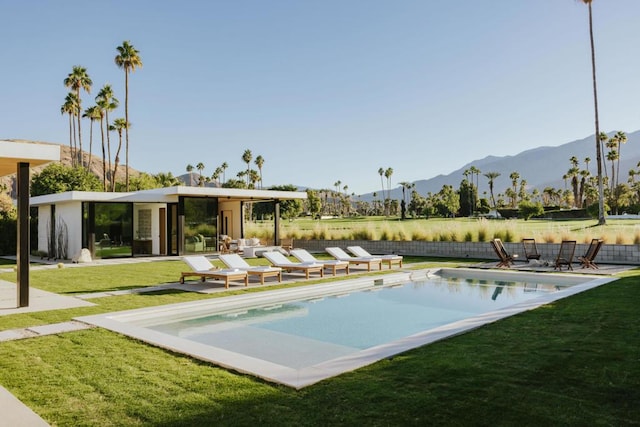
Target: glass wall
[(200, 225), (110, 227)]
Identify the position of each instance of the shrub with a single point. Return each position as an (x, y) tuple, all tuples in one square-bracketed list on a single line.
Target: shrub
[(468, 236)]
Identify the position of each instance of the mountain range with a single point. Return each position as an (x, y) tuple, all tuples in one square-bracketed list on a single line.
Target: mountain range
[(541, 167)]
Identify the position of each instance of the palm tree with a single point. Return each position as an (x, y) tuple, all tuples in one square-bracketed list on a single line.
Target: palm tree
[(475, 171), (387, 174), (107, 102), (76, 80), (224, 167), (601, 218), (246, 157), (93, 113), (612, 156), (190, 169), (381, 173), (216, 175), (128, 59), (621, 137), (260, 162), (200, 167), (166, 179), (491, 176), (70, 107), (587, 160), (118, 125)]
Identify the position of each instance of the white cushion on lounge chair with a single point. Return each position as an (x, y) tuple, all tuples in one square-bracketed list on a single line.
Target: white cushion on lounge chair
[(199, 263), (279, 260), (341, 255), (236, 261), (359, 251), (304, 256)]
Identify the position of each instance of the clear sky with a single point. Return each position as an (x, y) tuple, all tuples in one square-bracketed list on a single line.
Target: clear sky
[(326, 90)]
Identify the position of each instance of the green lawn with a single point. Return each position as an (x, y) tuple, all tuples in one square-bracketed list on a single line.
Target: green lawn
[(575, 362)]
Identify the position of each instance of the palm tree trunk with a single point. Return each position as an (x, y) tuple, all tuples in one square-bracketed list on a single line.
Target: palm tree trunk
[(601, 218), (108, 145), (79, 152), (126, 129), (90, 142), (117, 160), (104, 160)]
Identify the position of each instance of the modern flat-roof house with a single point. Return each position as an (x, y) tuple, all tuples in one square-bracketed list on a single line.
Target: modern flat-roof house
[(164, 221), (17, 157)]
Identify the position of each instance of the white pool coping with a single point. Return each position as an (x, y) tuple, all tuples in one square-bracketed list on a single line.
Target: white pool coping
[(122, 322)]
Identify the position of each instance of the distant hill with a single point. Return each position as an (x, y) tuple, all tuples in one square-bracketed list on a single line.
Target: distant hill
[(541, 167)]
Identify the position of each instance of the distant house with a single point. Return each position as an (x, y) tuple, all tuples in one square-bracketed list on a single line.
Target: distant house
[(164, 221)]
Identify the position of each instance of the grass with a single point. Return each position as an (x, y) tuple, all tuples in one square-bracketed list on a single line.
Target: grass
[(451, 229), (574, 362)]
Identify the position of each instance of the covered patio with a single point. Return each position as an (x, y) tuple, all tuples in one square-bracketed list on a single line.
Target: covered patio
[(17, 157)]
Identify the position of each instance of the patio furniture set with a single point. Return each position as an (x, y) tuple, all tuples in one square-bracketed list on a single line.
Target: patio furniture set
[(564, 257)]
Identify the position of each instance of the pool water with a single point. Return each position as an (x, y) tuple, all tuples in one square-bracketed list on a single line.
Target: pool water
[(341, 324)]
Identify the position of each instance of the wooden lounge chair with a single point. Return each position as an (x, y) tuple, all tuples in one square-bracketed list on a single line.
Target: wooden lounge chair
[(587, 260), (565, 255), (389, 259), (506, 259), (341, 255), (202, 267), (235, 261), (530, 249), (278, 260), (303, 255)]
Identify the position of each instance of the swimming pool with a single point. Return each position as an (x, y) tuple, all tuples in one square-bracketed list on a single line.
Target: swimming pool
[(302, 335)]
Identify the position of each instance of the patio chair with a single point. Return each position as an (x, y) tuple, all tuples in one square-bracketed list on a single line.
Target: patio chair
[(236, 262), (202, 267), (303, 255), (530, 249), (565, 255), (506, 259), (278, 260), (389, 259), (341, 255), (587, 260)]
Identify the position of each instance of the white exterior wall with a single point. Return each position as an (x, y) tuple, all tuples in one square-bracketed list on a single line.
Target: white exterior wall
[(71, 214), (44, 213)]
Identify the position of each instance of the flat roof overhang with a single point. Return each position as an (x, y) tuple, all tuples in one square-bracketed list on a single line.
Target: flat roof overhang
[(34, 153), (169, 195)]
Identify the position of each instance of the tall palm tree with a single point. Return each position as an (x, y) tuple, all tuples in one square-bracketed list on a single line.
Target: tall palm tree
[(76, 80), (93, 113), (247, 157), (224, 167), (259, 163), (387, 174), (200, 167), (190, 169), (118, 125), (612, 156), (106, 100), (587, 160), (381, 173), (128, 58), (621, 137), (491, 176), (475, 171), (70, 107), (601, 218)]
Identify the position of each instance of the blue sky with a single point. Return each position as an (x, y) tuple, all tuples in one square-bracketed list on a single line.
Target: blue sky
[(326, 90)]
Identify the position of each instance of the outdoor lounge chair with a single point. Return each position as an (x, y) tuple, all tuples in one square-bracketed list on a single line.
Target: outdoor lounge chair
[(530, 249), (341, 255), (303, 255), (203, 268), (565, 255), (278, 260), (587, 260), (389, 259), (506, 259), (235, 261)]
